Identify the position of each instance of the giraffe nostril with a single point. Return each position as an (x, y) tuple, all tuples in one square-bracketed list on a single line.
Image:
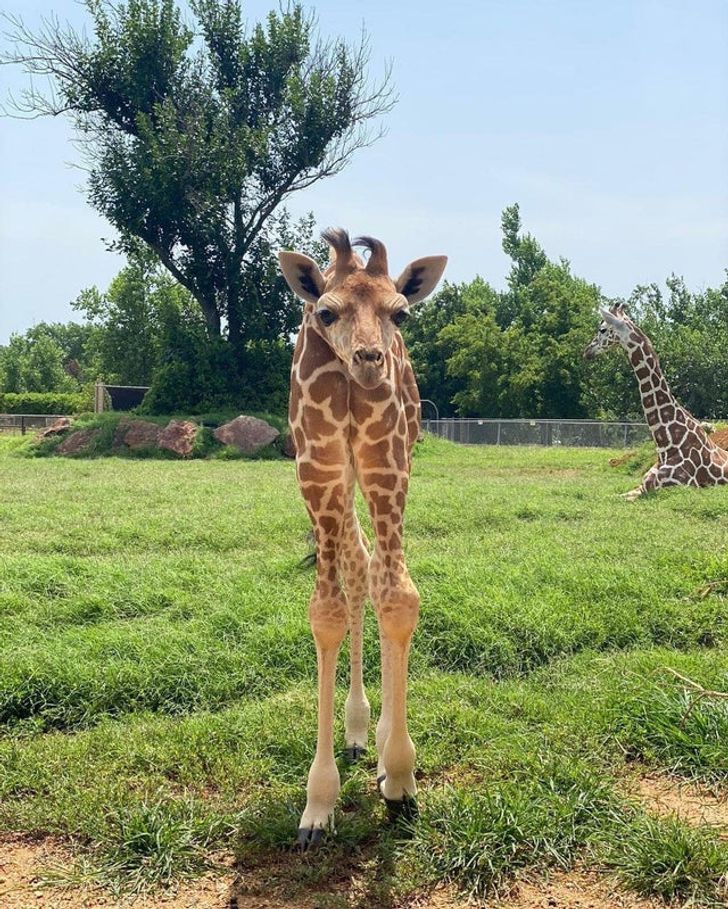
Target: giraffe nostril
[(369, 355)]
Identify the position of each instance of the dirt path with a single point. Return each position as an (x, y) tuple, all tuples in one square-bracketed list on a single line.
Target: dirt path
[(24, 866), (24, 863), (665, 795)]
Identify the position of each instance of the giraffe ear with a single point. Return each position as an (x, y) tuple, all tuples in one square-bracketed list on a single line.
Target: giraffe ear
[(420, 277), (302, 275), (609, 317), (615, 322)]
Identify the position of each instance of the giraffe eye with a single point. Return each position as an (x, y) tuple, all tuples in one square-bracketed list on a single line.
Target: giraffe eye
[(326, 316), (400, 316)]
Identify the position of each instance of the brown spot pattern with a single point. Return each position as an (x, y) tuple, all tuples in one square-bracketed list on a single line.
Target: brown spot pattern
[(686, 456)]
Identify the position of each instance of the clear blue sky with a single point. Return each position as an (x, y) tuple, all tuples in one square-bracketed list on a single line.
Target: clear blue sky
[(608, 122)]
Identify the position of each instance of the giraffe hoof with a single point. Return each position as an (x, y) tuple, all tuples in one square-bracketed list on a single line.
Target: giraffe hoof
[(404, 809), (309, 838), (354, 752)]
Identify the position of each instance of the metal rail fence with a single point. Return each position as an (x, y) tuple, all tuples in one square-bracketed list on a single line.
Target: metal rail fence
[(22, 422), (577, 433)]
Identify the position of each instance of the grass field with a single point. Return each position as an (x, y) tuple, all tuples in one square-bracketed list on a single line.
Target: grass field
[(157, 674)]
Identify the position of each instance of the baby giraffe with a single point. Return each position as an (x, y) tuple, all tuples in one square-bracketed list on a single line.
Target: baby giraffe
[(685, 454), (354, 414)]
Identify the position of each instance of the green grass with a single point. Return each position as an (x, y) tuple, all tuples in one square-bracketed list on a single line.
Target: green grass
[(667, 858), (157, 672)]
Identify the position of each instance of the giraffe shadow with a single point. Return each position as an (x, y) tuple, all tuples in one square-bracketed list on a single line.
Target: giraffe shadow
[(354, 868)]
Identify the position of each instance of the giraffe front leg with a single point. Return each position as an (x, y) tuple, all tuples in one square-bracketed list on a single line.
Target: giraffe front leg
[(328, 623), (397, 611), (633, 494), (323, 490), (650, 482)]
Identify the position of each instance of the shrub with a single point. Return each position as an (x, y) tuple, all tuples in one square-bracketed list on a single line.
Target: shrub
[(45, 402)]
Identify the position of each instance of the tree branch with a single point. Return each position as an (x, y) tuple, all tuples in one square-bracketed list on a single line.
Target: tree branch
[(696, 691)]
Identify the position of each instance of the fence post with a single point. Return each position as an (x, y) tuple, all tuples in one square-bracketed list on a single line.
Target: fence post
[(22, 424), (497, 439), (99, 397), (625, 435)]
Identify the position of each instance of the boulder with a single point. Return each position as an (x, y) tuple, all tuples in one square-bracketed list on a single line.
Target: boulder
[(55, 429), (247, 434), (178, 436), (136, 434), (78, 442)]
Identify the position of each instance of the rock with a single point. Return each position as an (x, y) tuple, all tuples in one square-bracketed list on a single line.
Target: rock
[(247, 434), (136, 434), (78, 442), (56, 428), (178, 436), (288, 445)]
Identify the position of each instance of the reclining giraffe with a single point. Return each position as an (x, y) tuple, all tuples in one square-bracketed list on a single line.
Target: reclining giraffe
[(354, 414), (685, 454)]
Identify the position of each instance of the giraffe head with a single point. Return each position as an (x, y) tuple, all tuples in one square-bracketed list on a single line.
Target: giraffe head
[(356, 306), (614, 328)]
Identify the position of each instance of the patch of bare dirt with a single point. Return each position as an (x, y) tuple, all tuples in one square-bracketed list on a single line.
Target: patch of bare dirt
[(573, 890), (666, 795), (24, 864), (24, 868)]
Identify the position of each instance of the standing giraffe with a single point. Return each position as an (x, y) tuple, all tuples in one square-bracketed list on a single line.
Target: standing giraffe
[(354, 414), (685, 454)]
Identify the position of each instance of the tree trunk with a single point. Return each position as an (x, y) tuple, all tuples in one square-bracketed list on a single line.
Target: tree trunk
[(236, 335), (212, 317)]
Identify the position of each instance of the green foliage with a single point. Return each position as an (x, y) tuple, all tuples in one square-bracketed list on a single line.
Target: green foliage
[(518, 353), (131, 318), (39, 403), (195, 135), (49, 357), (147, 330)]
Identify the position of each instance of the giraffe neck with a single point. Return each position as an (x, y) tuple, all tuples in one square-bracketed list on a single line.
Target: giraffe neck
[(662, 412)]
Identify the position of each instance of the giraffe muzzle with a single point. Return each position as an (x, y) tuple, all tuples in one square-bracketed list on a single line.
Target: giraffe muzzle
[(367, 366)]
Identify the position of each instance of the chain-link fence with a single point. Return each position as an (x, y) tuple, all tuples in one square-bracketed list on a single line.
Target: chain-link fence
[(586, 433), (23, 422)]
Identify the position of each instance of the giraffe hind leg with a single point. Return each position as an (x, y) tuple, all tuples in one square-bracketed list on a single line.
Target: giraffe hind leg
[(355, 571)]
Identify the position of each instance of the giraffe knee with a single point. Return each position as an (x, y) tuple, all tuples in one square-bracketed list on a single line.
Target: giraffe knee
[(328, 620), (398, 612)]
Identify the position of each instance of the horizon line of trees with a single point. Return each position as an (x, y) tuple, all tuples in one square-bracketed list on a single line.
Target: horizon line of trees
[(195, 126), (476, 351)]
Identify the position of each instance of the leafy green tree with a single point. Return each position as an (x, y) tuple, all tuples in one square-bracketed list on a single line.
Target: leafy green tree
[(194, 137), (49, 357), (129, 319), (511, 354), (421, 334)]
